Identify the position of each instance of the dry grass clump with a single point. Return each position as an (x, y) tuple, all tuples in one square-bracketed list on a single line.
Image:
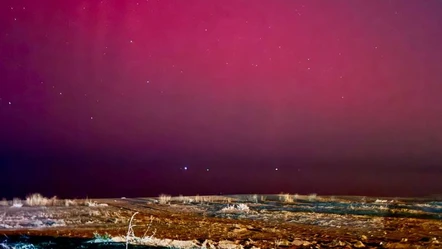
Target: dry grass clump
[(195, 199), (4, 202), (312, 197), (211, 199), (287, 198), (68, 202), (16, 202), (252, 198), (37, 199), (183, 199), (164, 199), (90, 203), (198, 198)]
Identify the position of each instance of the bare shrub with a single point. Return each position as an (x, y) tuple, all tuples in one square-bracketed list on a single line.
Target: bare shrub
[(164, 199), (130, 231)]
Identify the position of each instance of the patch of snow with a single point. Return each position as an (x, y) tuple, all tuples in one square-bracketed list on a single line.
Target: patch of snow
[(239, 208)]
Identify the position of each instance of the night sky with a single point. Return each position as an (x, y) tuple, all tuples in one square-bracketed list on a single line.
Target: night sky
[(137, 98)]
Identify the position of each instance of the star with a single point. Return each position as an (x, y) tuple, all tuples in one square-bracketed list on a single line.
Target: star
[(276, 169)]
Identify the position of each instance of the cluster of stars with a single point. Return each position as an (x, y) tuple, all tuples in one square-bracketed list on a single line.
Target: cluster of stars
[(206, 29), (186, 168)]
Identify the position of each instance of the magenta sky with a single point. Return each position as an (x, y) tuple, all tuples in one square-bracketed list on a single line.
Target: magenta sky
[(109, 98)]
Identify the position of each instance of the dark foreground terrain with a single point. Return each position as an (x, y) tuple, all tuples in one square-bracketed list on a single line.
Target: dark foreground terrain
[(247, 221)]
